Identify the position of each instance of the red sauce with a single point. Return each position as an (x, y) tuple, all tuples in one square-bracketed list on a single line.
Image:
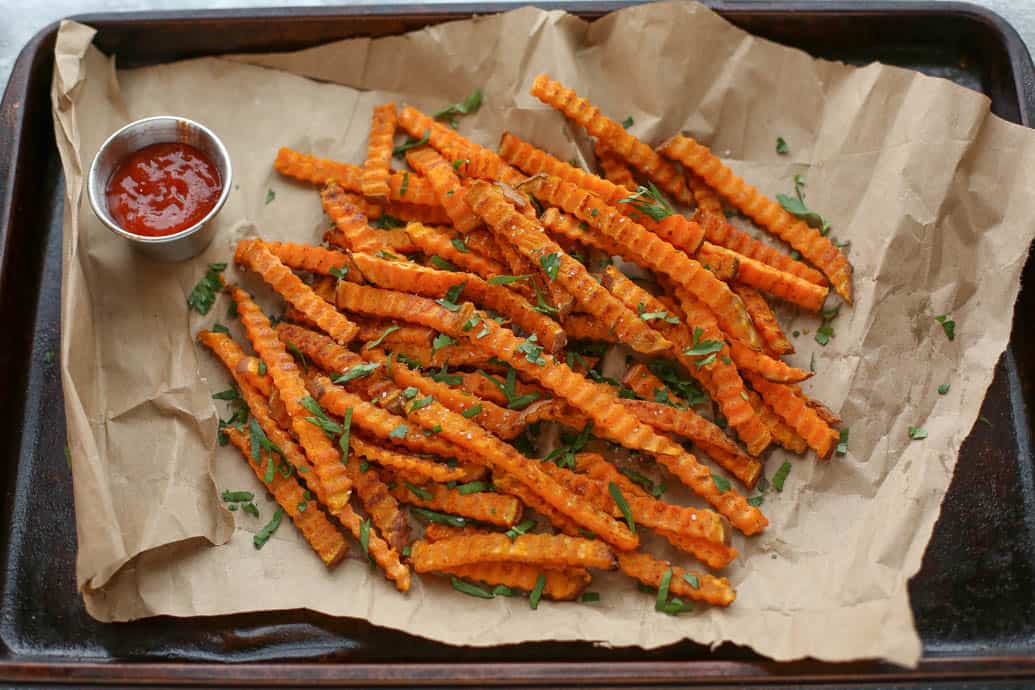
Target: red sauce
[(163, 189)]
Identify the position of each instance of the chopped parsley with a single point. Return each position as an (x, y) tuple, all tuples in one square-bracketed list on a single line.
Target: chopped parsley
[(721, 483), (943, 389), (421, 403), (781, 476), (507, 280), (237, 496), (216, 328), (842, 444), (466, 107), (320, 417), (650, 487), (589, 597), (628, 122), (364, 535), (441, 518), (916, 433), (411, 143), (386, 221), (228, 394), (472, 488), (264, 534), (451, 297), (825, 332), (381, 338), (472, 411), (520, 528), (459, 245), (781, 146), (270, 196), (295, 352), (620, 501), (532, 352), (469, 589), (343, 440), (795, 205), (358, 371), (442, 264), (649, 201), (399, 431), (339, 273), (948, 325), (550, 263), (441, 340), (203, 296), (700, 348), (564, 456), (652, 315), (537, 592), (422, 494)]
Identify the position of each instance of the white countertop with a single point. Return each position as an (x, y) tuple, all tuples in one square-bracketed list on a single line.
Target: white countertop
[(19, 23)]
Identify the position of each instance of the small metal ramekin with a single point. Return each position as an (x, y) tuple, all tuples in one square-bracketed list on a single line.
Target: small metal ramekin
[(159, 130)]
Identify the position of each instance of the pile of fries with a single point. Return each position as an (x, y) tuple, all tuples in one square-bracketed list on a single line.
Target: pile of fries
[(458, 305)]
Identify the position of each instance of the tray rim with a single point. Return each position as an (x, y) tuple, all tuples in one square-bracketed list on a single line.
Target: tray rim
[(315, 673)]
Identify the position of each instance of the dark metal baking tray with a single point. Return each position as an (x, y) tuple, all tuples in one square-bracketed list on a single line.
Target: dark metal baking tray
[(974, 599)]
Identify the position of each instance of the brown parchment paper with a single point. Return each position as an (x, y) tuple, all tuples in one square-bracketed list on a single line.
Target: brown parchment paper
[(933, 192)]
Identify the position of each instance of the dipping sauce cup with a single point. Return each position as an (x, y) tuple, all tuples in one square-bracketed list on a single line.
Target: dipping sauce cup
[(190, 165)]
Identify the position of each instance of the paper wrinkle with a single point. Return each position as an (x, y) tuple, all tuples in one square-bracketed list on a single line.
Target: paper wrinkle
[(932, 190)]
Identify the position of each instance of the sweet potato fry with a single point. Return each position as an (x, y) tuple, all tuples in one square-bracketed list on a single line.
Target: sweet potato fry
[(814, 246), (402, 334), (792, 409), (379, 503), (543, 550), (436, 242), (824, 412), (350, 221), (436, 531), (443, 179), (646, 385), (234, 359), (614, 168), (484, 506), (458, 355), (650, 251), (306, 257), (407, 464), (452, 145), (490, 204), (782, 434), (689, 424), (335, 486), (588, 327), (649, 570), (482, 242), (255, 255), (374, 182), (773, 369), (429, 282), (776, 341), (507, 484), (403, 187), (561, 585), (479, 385), (766, 278), (704, 196), (579, 110), (328, 543), (720, 231)]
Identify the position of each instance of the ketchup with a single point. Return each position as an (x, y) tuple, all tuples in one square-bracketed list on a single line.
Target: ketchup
[(163, 189)]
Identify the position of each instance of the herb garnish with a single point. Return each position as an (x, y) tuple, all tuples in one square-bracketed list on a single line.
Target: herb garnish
[(364, 535), (453, 110), (459, 245), (472, 487), (399, 431), (264, 534), (564, 456), (943, 389), (948, 325), (343, 440), (652, 315), (781, 146), (507, 280), (649, 201), (420, 493), (380, 339), (520, 528), (471, 590), (452, 295), (916, 433), (411, 143), (270, 196), (537, 592), (441, 518), (203, 296), (721, 483), (228, 394), (441, 340), (781, 476), (620, 501), (550, 263), (472, 411), (320, 417), (842, 444), (358, 371), (699, 348), (339, 273), (795, 205), (386, 221), (588, 597), (650, 487), (442, 264), (628, 122), (532, 352)]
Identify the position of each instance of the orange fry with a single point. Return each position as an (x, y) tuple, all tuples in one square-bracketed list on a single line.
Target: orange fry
[(255, 255), (507, 484), (436, 242), (322, 535), (544, 550), (252, 368), (379, 503), (705, 196), (782, 434), (234, 359), (350, 221), (436, 531), (579, 110), (480, 387), (306, 257), (720, 231), (764, 277), (773, 369), (407, 187), (792, 409), (406, 464), (483, 506), (401, 334), (561, 585), (614, 168), (649, 570), (814, 246), (765, 321), (689, 424), (527, 235), (443, 179), (429, 282), (374, 181), (650, 251)]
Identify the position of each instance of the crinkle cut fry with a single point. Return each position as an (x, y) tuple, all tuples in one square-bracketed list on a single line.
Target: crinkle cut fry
[(614, 168), (649, 570), (378, 549), (436, 531), (251, 367), (508, 484), (791, 407), (491, 416), (234, 359), (689, 424), (406, 464), (404, 334), (705, 196), (307, 257), (561, 585), (321, 171), (765, 321), (435, 242), (773, 369), (718, 230), (650, 251), (483, 506), (587, 327), (335, 486), (778, 283), (255, 255), (598, 401), (720, 378), (815, 247), (580, 111), (350, 221), (327, 541), (499, 455), (443, 179), (781, 432), (374, 181), (480, 387), (500, 215), (544, 550), (379, 503), (429, 282), (452, 145), (714, 553)]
